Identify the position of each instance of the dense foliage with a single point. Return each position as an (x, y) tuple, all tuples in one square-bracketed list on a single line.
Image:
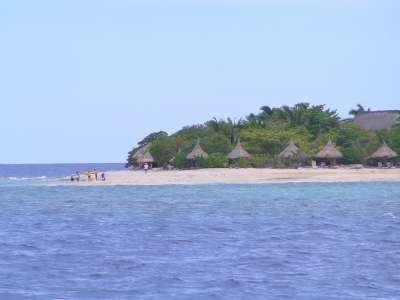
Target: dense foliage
[(266, 134)]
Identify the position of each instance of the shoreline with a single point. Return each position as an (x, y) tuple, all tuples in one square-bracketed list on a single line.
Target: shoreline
[(245, 176)]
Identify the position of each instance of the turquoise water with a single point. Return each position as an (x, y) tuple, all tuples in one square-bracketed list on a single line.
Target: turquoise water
[(270, 241)]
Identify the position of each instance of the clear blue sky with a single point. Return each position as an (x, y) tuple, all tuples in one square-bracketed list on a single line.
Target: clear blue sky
[(83, 81)]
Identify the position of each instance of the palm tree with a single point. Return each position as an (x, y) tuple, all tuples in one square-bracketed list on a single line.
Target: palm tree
[(266, 110), (232, 129), (229, 128), (261, 119), (299, 113), (357, 110), (214, 124), (253, 121)]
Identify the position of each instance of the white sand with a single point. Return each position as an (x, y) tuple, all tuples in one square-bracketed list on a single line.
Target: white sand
[(213, 176)]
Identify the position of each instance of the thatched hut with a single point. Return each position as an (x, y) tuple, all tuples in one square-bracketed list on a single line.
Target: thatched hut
[(145, 158), (384, 153), (292, 154), (290, 151), (238, 152), (197, 152), (143, 155), (329, 153), (141, 151)]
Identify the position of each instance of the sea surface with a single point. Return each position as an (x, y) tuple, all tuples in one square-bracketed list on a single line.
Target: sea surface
[(51, 171), (261, 241)]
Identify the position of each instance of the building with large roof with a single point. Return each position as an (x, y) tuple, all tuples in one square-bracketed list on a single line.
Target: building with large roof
[(384, 119)]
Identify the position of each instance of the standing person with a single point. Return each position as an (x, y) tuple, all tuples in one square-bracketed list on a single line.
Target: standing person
[(103, 177), (146, 167), (95, 173), (78, 176)]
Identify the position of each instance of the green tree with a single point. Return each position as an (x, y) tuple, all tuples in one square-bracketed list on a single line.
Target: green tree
[(214, 160), (267, 133), (180, 161), (229, 128), (165, 148), (148, 139), (274, 139), (320, 120), (216, 143), (355, 143)]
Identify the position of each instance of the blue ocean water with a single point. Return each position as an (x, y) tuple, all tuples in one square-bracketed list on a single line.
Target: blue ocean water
[(263, 241)]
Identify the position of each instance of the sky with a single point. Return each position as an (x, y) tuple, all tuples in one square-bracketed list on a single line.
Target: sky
[(84, 81)]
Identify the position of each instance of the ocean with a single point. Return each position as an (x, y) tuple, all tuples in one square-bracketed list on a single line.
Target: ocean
[(51, 171), (259, 241)]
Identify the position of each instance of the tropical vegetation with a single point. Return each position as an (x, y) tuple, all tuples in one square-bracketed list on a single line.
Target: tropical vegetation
[(265, 134)]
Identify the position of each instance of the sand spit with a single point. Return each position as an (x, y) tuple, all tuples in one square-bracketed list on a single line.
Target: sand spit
[(232, 176)]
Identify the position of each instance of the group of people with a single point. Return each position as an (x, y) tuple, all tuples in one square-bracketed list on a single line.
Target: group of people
[(91, 175)]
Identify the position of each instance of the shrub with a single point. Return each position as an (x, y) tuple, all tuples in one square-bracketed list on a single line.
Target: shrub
[(214, 160), (163, 149), (280, 163), (259, 161), (352, 156), (181, 162), (242, 163), (216, 143)]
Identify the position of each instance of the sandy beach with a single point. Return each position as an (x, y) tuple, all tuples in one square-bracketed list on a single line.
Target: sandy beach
[(227, 176)]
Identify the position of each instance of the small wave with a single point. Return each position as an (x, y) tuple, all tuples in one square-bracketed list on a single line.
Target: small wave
[(26, 178), (391, 215), (232, 282)]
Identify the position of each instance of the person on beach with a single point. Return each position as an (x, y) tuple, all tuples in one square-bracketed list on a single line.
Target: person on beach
[(103, 177), (95, 173), (146, 167), (89, 176), (78, 176)]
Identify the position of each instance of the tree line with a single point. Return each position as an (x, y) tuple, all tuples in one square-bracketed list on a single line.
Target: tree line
[(266, 133)]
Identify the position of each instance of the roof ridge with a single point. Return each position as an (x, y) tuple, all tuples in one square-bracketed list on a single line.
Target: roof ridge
[(380, 111)]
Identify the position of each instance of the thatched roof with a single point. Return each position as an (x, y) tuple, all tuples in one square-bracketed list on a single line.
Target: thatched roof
[(329, 151), (290, 151), (384, 152), (142, 151), (197, 152), (377, 119), (145, 158), (143, 155), (238, 152)]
